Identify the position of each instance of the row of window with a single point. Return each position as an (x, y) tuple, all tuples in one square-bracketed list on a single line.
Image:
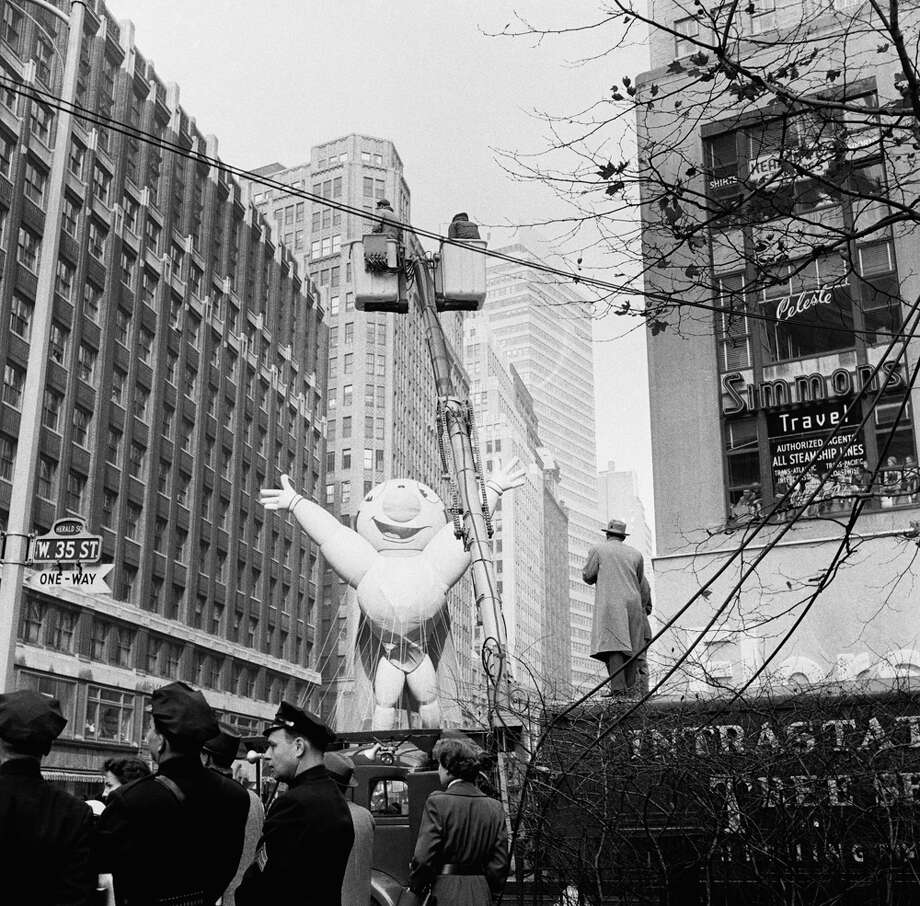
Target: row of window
[(110, 715), (375, 333), (374, 395), (372, 459)]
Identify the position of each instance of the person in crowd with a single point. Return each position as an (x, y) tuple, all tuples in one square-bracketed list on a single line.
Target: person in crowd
[(117, 772), (462, 849), (218, 754), (45, 833), (356, 888), (891, 482), (620, 622), (177, 835), (308, 833), (910, 481)]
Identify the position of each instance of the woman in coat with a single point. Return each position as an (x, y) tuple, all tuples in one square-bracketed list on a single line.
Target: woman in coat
[(462, 847)]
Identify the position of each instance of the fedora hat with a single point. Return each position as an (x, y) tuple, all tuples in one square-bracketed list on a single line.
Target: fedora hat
[(616, 527)]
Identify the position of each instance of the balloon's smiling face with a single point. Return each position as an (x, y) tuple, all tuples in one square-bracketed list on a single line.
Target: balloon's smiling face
[(400, 514)]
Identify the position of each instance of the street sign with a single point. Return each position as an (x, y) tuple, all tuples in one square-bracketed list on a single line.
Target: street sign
[(89, 579), (67, 542)]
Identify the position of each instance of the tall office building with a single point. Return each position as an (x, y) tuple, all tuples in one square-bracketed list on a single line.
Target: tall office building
[(740, 404), (186, 365), (381, 399), (507, 428), (544, 330)]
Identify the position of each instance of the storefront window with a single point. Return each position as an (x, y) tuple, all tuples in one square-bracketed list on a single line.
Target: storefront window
[(65, 691), (109, 715)]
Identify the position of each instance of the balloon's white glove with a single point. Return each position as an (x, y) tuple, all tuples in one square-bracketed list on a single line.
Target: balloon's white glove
[(508, 476), (283, 498)]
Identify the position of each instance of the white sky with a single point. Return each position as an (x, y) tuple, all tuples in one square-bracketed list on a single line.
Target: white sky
[(272, 78)]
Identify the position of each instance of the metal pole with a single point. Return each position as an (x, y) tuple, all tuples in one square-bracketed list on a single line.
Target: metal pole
[(488, 604), (25, 463)]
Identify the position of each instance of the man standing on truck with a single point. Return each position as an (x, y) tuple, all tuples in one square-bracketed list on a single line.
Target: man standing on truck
[(622, 603)]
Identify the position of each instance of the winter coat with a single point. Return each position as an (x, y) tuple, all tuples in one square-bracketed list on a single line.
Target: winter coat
[(621, 594)]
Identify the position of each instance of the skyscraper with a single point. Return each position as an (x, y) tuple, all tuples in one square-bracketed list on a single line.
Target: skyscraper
[(381, 398), (507, 428), (544, 329), (184, 358)]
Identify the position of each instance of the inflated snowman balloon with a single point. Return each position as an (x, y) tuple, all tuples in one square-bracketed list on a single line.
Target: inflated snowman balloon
[(401, 559)]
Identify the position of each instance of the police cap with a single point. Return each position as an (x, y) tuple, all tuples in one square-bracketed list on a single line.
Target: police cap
[(30, 721), (224, 747), (183, 713), (303, 723)]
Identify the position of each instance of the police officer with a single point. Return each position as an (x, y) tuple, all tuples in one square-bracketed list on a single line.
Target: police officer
[(174, 838), (308, 832), (45, 833)]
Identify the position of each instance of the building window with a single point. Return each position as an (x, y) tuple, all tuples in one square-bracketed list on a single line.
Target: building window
[(34, 183), (144, 344), (92, 301), (109, 715), (137, 458), (132, 521), (28, 249), (113, 446), (61, 630), (47, 478), (119, 380), (86, 362), (141, 399), (76, 159), (153, 233), (64, 279), (128, 266), (7, 455), (102, 183), (122, 326), (82, 419), (41, 123), (96, 237), (57, 342), (30, 623), (21, 311), (12, 27), (51, 408)]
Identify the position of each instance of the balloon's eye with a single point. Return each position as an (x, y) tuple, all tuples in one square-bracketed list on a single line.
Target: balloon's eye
[(424, 493)]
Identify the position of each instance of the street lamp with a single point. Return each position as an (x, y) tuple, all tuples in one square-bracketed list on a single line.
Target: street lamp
[(24, 465)]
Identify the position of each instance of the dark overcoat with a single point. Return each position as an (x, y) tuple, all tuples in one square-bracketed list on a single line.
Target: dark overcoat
[(461, 826), (622, 591), (45, 840), (305, 844), (157, 847)]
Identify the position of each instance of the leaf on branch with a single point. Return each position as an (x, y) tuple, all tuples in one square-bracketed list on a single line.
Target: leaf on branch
[(750, 9), (832, 75), (696, 242), (617, 96), (627, 81), (691, 172), (614, 187), (654, 90), (692, 271), (607, 170), (674, 67), (678, 104), (578, 262), (881, 48), (699, 59), (657, 326), (706, 593), (631, 91)]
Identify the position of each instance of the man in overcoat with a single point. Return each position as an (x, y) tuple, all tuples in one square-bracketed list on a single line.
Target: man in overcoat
[(177, 835), (308, 832), (622, 602), (45, 833), (356, 888)]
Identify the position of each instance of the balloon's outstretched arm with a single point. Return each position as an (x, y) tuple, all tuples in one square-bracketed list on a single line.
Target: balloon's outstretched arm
[(349, 555)]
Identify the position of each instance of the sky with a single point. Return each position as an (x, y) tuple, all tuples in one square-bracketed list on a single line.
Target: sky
[(430, 77)]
